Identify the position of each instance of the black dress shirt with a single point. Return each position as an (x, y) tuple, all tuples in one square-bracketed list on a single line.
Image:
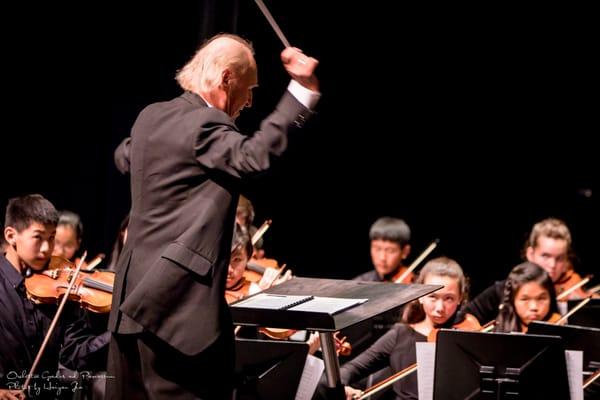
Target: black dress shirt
[(23, 326)]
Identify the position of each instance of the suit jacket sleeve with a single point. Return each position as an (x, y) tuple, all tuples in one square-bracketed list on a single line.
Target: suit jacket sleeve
[(220, 146)]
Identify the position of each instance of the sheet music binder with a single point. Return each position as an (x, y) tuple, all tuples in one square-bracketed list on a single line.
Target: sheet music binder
[(309, 303), (272, 301), (317, 309)]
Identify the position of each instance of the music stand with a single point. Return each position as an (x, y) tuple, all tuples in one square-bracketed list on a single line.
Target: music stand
[(586, 339), (382, 296), (486, 366), (268, 369), (588, 315)]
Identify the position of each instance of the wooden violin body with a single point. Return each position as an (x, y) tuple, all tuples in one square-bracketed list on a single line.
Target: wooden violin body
[(256, 268), (469, 323), (92, 289)]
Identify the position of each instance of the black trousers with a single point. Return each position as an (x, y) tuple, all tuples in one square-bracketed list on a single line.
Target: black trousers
[(141, 366)]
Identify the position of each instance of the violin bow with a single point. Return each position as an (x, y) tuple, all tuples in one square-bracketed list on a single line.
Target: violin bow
[(97, 260), (261, 231), (591, 379), (576, 286), (582, 303), (272, 22), (418, 260), (53, 324)]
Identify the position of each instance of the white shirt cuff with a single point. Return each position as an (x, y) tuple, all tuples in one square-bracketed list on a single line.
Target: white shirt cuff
[(306, 97)]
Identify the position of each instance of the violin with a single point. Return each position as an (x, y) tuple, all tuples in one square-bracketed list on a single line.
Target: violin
[(569, 286), (469, 323), (342, 346), (405, 274), (92, 289), (402, 276), (238, 291), (256, 267)]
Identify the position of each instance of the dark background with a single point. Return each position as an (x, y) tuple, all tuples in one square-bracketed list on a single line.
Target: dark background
[(471, 124)]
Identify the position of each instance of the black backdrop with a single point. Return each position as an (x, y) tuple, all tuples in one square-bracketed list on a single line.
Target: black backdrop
[(471, 124)]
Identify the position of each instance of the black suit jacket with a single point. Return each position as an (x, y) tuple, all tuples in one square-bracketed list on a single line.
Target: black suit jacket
[(186, 161)]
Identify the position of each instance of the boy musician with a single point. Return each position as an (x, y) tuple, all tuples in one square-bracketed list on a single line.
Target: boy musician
[(30, 227), (390, 245)]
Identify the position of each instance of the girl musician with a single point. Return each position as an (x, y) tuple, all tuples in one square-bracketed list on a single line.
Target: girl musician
[(528, 296), (422, 317), (69, 233), (548, 246)]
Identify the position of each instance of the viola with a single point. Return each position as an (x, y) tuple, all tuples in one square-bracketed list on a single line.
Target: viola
[(92, 289)]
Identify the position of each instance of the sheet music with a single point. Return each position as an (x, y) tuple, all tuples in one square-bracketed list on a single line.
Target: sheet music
[(426, 363), (311, 374), (329, 305), (575, 373), (269, 301)]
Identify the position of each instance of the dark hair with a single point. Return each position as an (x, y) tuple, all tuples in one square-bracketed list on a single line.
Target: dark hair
[(22, 212), (392, 229), (508, 320), (241, 239), (441, 266), (118, 245), (69, 218)]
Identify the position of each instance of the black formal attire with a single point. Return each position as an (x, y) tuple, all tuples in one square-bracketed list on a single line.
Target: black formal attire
[(485, 305), (23, 326), (173, 334), (396, 350)]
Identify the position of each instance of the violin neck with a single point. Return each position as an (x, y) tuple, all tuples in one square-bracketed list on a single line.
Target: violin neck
[(255, 267), (94, 284)]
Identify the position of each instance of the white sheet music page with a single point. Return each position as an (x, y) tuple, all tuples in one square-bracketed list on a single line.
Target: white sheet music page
[(329, 305), (270, 301), (426, 363), (313, 369), (575, 373)]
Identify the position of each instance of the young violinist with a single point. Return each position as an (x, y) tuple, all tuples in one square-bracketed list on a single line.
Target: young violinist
[(237, 286), (396, 349), (30, 228), (548, 246), (528, 296), (390, 245), (69, 233)]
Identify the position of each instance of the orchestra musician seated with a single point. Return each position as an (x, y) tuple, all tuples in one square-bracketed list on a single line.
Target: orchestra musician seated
[(548, 246), (528, 296), (422, 318), (30, 228)]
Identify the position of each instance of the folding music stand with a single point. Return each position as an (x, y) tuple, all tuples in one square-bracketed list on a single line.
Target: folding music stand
[(495, 366), (381, 297), (588, 315), (585, 339), (268, 369)]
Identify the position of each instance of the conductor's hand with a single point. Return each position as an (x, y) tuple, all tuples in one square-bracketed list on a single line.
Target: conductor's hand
[(300, 67)]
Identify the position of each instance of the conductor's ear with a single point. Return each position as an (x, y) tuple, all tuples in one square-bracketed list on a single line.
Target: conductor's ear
[(226, 78)]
